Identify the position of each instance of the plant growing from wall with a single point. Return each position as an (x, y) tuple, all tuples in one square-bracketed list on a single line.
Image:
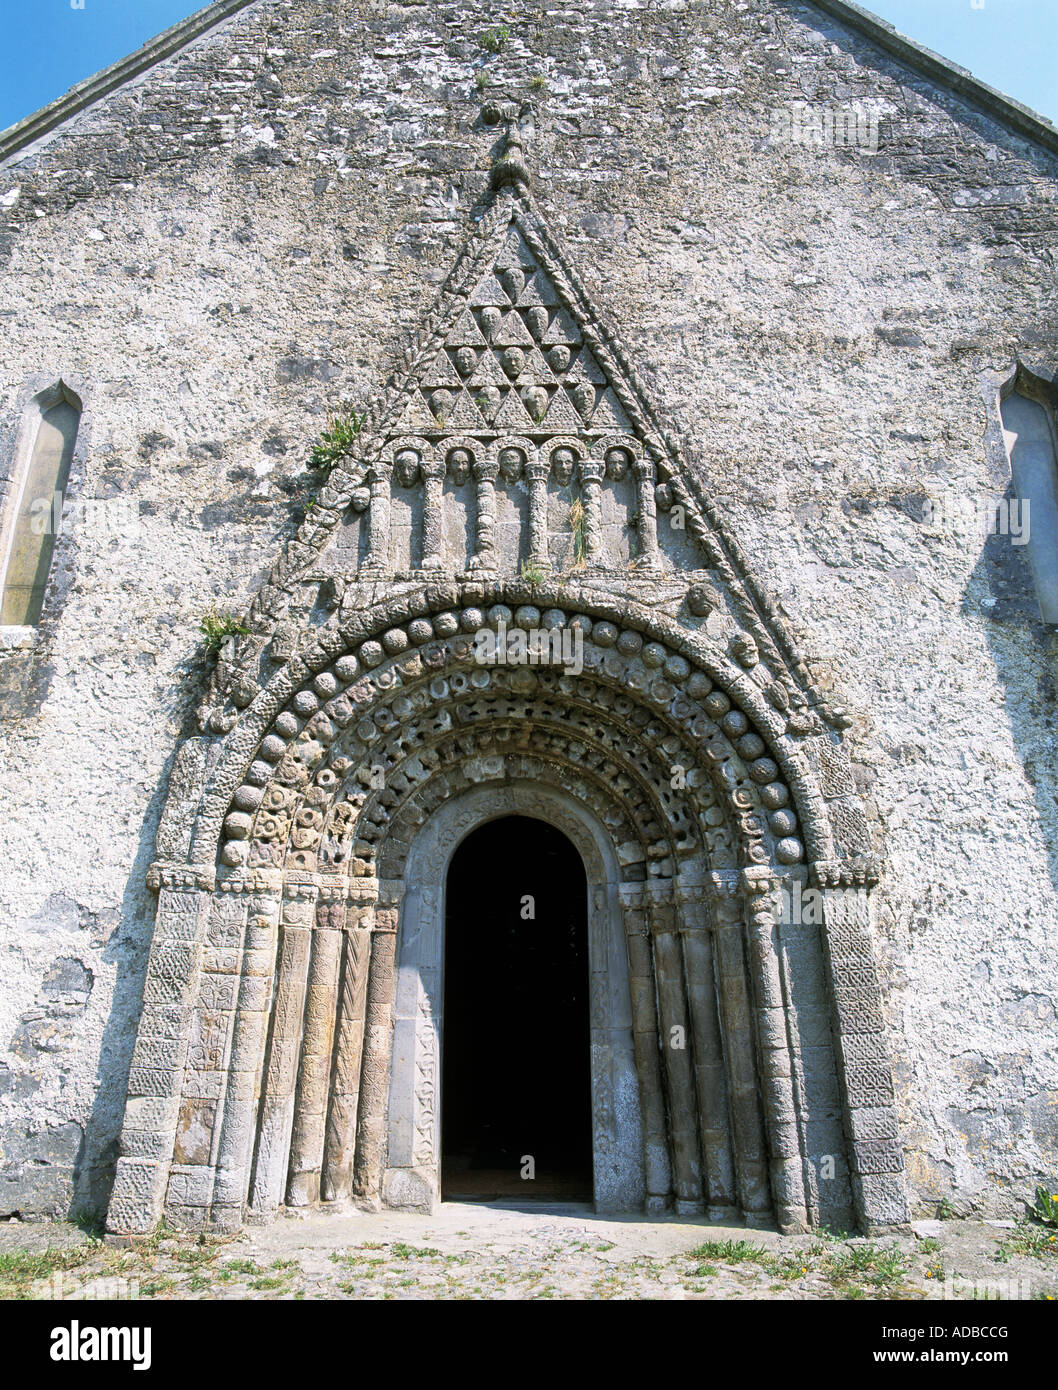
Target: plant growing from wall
[(336, 440), (1045, 1208), (218, 628), (533, 572), (576, 526), (494, 40)]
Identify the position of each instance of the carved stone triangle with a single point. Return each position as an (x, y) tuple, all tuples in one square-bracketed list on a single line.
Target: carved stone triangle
[(490, 292), (465, 332), (513, 418)]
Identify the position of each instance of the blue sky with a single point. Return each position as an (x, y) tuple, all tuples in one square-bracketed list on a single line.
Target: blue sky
[(1011, 44)]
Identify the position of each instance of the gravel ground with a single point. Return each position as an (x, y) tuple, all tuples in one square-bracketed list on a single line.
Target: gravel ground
[(496, 1251)]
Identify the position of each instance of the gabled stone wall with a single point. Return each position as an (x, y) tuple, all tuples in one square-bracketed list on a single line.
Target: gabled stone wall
[(217, 255)]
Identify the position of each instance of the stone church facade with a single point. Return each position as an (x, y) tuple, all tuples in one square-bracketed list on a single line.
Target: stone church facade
[(677, 353)]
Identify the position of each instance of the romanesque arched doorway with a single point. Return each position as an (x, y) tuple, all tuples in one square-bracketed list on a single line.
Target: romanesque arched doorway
[(514, 596), (516, 1069)]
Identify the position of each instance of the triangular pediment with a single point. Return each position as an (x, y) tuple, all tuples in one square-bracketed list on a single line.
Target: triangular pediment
[(518, 378)]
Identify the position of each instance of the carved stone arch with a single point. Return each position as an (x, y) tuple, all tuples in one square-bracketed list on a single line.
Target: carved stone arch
[(743, 794)]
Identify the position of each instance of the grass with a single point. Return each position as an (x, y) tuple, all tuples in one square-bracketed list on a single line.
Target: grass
[(851, 1269), (20, 1269), (1027, 1239), (729, 1252)]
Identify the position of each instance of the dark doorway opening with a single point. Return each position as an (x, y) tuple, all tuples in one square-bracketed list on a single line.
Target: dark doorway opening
[(516, 1078)]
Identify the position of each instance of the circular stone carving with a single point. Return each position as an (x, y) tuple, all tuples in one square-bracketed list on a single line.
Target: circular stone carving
[(420, 631), (774, 795), (699, 685), (527, 616), (604, 634), (788, 851), (472, 619), (653, 654), (286, 725), (763, 770), (395, 640), (750, 746), (734, 723), (630, 643), (446, 624), (371, 654), (305, 703), (782, 822), (716, 704), (326, 684), (248, 798), (346, 667)]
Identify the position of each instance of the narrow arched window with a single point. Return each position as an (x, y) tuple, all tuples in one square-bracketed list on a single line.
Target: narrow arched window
[(1032, 447), (33, 517)]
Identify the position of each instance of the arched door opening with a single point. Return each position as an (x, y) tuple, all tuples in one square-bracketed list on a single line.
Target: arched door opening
[(516, 1080)]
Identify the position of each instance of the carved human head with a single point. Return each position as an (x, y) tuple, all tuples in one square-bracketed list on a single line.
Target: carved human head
[(513, 360), (511, 461), (584, 398), (617, 462), (459, 465), (466, 360), (563, 462), (406, 466)]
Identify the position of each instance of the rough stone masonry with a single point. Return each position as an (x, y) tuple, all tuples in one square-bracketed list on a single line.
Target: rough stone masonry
[(748, 282)]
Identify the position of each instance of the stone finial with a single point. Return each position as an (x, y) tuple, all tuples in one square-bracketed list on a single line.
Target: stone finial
[(511, 168)]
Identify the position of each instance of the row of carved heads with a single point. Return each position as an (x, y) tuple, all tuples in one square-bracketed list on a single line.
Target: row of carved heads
[(413, 459)]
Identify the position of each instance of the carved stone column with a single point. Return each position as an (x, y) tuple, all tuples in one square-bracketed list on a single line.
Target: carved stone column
[(714, 1115), (378, 1046), (675, 1046), (158, 1060), (645, 1042), (866, 1075), (747, 1120), (378, 477), (648, 557), (256, 971), (349, 1045), (591, 475), (433, 473), (321, 1007), (484, 557), (782, 1117), (538, 470), (281, 1068)]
